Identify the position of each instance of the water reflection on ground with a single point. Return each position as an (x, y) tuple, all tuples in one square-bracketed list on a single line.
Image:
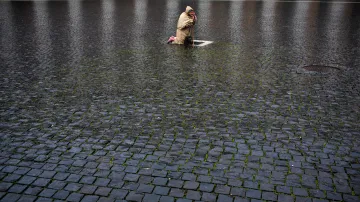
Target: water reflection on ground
[(93, 68)]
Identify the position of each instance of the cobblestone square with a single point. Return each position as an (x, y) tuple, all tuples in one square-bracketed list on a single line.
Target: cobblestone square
[(95, 106)]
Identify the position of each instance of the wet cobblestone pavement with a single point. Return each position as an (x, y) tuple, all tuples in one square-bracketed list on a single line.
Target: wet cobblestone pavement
[(94, 106)]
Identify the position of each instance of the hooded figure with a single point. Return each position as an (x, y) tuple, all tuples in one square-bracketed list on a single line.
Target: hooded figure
[(184, 26)]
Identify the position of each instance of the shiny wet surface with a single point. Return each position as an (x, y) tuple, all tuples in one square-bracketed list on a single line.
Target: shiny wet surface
[(95, 81)]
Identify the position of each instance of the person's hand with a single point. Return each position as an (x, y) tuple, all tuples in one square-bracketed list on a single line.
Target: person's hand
[(194, 17)]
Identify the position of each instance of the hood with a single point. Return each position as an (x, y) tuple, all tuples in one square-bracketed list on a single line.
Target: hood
[(188, 9)]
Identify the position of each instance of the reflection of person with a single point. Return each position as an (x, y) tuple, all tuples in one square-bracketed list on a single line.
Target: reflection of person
[(185, 25)]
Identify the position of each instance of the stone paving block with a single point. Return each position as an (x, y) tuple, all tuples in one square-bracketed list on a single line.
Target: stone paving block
[(320, 200), (106, 199), (251, 185), (75, 197), (33, 190), (252, 193), (175, 183), (49, 166), (103, 191), (47, 193), (283, 189), (348, 197), (47, 174), (79, 163), (222, 189), (133, 196), (167, 199), (90, 198), (34, 172), (303, 199), (225, 198), (131, 169), (204, 178), (316, 193), (300, 192), (9, 169), (174, 175), (27, 198), (118, 194), (132, 186), (102, 182), (61, 194), (41, 182), (145, 171), (188, 176), (159, 190), (73, 187), (74, 178), (91, 165), (269, 196), (11, 197), (183, 200), (102, 173), (151, 198), (283, 197), (42, 199), (61, 176), (234, 183), (206, 187), (191, 185), (236, 191), (160, 181), (12, 178), (159, 173), (131, 177), (193, 195), (145, 179), (144, 188), (266, 187), (239, 199), (175, 192), (87, 180), (26, 180), (56, 184), (4, 186), (208, 196), (2, 194), (116, 183)]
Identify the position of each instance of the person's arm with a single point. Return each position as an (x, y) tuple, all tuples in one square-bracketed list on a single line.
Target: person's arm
[(186, 23)]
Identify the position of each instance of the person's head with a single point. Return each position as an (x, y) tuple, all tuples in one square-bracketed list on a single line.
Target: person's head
[(189, 10)]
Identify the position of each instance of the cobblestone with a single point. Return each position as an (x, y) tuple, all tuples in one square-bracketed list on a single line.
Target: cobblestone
[(104, 115)]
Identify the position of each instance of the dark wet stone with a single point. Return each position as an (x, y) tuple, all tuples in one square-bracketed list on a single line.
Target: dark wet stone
[(175, 192), (191, 185), (118, 194), (17, 188), (160, 181), (167, 199), (62, 194), (251, 193), (175, 183), (75, 197), (47, 193), (193, 195), (143, 188), (11, 197), (151, 198), (90, 198), (161, 190), (133, 196), (269, 196), (208, 197)]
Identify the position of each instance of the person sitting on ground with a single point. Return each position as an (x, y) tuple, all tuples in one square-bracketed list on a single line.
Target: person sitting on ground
[(185, 25)]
